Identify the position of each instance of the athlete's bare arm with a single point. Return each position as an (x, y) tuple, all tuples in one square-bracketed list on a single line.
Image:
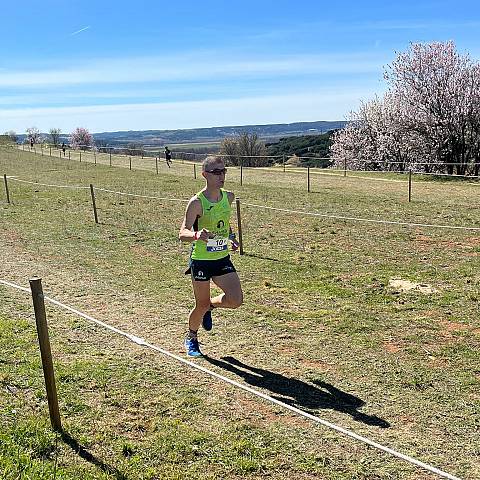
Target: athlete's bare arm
[(193, 211)]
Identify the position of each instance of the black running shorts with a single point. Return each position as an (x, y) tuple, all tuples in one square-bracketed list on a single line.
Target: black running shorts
[(204, 270)]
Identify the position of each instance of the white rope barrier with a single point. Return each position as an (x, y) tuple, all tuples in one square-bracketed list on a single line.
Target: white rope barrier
[(73, 187), (330, 173), (453, 175), (142, 196), (356, 219), (344, 431), (339, 217)]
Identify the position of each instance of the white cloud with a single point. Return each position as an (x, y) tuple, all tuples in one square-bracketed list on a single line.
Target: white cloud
[(192, 68), (171, 115)]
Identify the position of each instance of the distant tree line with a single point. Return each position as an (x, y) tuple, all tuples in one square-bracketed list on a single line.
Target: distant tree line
[(311, 150), (248, 149)]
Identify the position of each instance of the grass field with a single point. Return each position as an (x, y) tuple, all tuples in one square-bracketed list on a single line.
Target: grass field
[(321, 328)]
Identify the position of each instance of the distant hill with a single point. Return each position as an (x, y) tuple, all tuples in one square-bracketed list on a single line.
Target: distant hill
[(164, 137)]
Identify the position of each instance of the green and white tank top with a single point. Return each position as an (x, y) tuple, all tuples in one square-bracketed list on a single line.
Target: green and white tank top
[(216, 219)]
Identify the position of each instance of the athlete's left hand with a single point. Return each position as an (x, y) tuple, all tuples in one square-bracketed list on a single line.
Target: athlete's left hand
[(235, 245)]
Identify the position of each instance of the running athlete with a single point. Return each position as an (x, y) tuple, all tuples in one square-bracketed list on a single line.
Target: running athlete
[(168, 156), (207, 226)]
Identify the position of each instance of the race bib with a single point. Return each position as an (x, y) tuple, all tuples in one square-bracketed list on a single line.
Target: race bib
[(217, 244)]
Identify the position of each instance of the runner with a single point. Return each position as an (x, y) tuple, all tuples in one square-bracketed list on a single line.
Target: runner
[(168, 156), (207, 226)]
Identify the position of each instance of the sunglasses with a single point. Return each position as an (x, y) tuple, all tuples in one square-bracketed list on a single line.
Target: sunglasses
[(217, 171)]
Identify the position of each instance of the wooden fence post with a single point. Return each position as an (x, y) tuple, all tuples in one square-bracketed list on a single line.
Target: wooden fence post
[(345, 167), (6, 187), (94, 204), (156, 163), (241, 171), (308, 179), (239, 223), (50, 151), (410, 185), (80, 155), (194, 171), (45, 351), (95, 157), (130, 162), (110, 150)]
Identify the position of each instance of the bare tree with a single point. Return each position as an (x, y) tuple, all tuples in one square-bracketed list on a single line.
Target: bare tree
[(55, 135), (246, 149), (229, 148), (33, 135)]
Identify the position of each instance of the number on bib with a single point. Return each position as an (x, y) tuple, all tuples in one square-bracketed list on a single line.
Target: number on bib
[(217, 244)]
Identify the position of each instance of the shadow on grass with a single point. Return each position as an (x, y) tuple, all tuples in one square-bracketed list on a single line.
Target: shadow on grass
[(86, 455), (299, 394)]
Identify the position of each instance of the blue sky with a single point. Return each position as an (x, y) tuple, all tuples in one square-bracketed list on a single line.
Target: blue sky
[(109, 66)]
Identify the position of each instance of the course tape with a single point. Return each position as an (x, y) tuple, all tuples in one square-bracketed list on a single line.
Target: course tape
[(356, 219), (142, 342), (324, 215), (142, 196), (73, 187)]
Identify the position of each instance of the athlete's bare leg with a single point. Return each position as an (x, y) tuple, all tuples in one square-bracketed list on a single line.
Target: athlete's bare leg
[(232, 296), (201, 290)]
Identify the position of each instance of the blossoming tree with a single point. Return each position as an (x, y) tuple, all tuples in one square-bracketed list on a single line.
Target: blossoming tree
[(81, 138), (429, 118)]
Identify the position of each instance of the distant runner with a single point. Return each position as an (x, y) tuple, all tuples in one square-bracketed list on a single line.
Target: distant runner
[(168, 156), (207, 226)]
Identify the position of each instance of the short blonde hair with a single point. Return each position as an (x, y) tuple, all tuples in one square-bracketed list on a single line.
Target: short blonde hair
[(211, 160)]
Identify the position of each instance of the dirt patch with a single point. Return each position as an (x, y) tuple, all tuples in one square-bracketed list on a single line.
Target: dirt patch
[(454, 326), (427, 243), (400, 285), (391, 347)]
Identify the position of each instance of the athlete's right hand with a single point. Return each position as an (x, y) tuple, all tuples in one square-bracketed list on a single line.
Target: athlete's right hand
[(204, 235)]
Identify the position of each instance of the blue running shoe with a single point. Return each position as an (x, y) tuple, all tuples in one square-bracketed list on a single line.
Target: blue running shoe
[(193, 349), (207, 322)]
